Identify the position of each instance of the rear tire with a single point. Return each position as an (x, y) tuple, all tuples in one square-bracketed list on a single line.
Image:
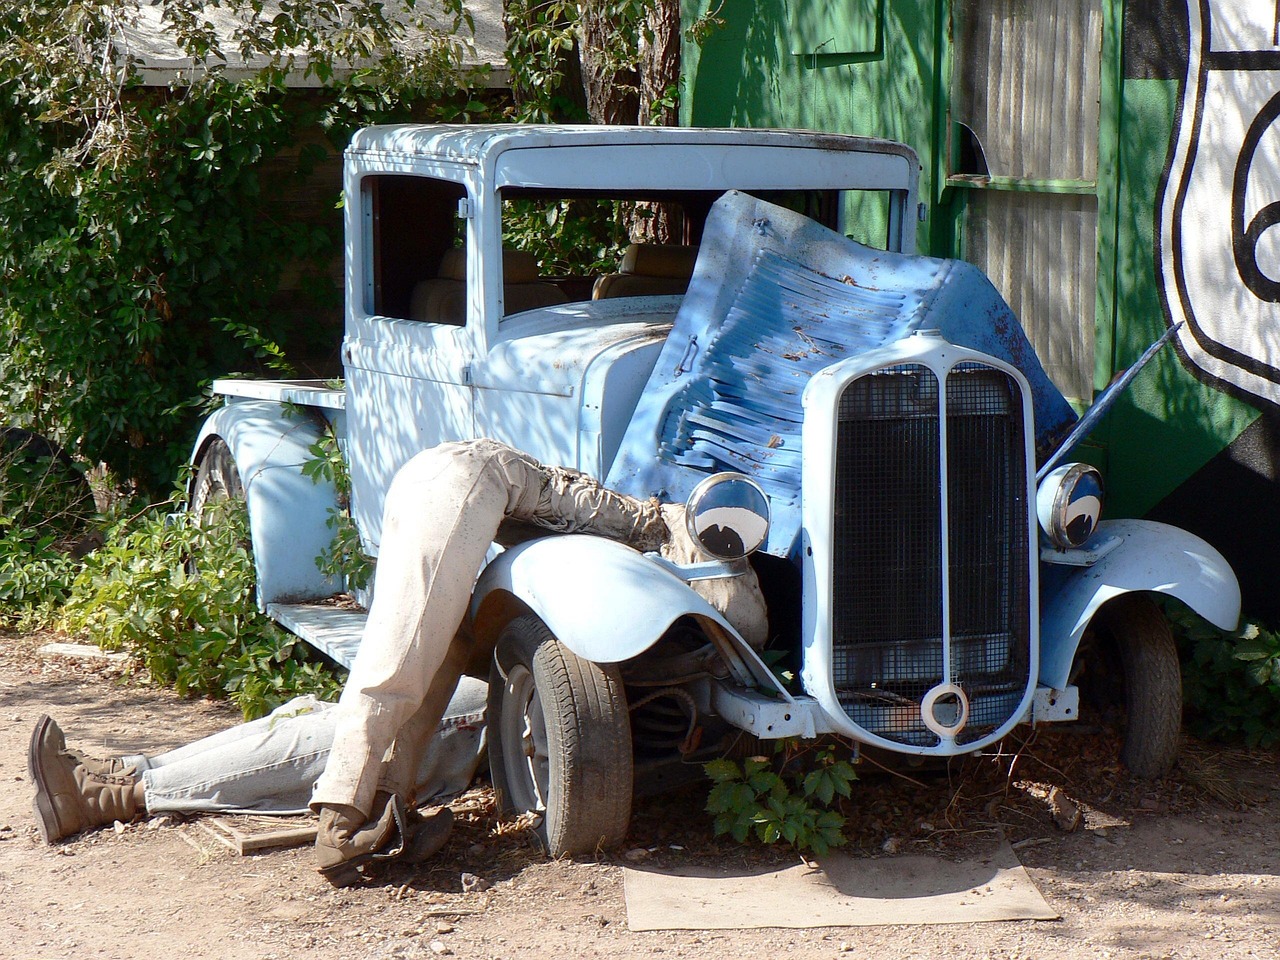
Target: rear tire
[(216, 494), (559, 740), (217, 479), (1132, 634)]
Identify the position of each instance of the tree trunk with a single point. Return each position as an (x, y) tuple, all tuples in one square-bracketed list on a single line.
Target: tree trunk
[(610, 86), (660, 63)]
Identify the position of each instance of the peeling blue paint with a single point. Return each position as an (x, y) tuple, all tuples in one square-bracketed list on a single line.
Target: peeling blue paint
[(774, 299)]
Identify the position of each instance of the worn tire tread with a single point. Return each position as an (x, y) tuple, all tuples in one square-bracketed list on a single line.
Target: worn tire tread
[(217, 471), (1152, 684), (588, 741)]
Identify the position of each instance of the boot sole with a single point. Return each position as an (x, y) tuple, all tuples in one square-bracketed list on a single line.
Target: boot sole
[(428, 840), (46, 815), (344, 874)]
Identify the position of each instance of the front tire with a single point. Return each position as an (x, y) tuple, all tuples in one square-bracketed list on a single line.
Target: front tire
[(559, 740), (1132, 634)]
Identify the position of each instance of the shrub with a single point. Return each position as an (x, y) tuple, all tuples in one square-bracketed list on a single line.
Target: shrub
[(45, 503), (35, 576), (141, 238), (179, 596), (1231, 681)]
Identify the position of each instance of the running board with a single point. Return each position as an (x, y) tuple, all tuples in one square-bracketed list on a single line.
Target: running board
[(331, 630)]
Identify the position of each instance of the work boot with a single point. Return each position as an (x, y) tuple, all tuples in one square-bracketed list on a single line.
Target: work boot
[(347, 840), (428, 833), (69, 796), (107, 766)]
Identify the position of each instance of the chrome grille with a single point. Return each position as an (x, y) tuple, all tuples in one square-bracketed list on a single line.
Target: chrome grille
[(987, 490), (889, 596)]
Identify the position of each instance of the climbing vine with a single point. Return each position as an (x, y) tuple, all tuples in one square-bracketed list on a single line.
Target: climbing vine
[(344, 557), (142, 235)]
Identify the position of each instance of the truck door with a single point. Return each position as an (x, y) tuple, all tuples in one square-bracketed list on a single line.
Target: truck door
[(407, 344)]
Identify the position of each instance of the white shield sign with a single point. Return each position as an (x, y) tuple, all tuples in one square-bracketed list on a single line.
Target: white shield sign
[(1219, 212)]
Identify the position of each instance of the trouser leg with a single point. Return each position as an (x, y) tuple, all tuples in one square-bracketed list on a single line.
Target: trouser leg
[(270, 765), (249, 732), (267, 766), (442, 512), (402, 774)]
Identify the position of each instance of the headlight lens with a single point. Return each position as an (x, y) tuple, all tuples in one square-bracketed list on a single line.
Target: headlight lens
[(728, 515), (1069, 504)]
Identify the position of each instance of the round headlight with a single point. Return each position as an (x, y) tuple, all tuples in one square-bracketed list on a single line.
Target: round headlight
[(1069, 504), (728, 515)]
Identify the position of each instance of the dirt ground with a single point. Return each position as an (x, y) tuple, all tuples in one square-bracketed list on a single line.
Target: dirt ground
[(1186, 867)]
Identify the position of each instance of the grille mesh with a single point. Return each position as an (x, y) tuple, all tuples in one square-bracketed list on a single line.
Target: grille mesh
[(987, 483), (888, 597)]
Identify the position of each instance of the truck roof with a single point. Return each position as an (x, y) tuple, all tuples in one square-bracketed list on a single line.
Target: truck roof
[(477, 143)]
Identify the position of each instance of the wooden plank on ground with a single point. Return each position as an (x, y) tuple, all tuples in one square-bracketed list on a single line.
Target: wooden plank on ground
[(81, 651), (249, 834)]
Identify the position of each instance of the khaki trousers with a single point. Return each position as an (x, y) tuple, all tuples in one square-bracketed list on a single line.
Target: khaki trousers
[(443, 510)]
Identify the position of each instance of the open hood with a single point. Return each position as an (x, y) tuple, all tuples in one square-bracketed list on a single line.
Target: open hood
[(775, 297)]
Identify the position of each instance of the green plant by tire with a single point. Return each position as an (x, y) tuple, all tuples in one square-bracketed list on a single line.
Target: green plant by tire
[(1131, 660), (559, 740)]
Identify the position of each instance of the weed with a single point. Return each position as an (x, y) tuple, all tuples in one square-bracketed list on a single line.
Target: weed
[(784, 798), (1231, 681)]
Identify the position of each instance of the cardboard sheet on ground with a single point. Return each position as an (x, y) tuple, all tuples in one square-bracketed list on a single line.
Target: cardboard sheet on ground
[(843, 891)]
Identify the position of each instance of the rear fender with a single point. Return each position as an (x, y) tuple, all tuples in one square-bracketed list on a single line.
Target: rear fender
[(1153, 557), (603, 600), (288, 512)]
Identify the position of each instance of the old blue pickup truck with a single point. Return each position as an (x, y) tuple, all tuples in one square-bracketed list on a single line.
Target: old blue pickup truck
[(868, 426)]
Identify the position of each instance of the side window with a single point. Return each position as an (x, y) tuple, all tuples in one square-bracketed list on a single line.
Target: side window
[(415, 269), (1026, 84)]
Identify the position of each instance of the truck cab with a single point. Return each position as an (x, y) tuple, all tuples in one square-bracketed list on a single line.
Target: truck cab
[(452, 332)]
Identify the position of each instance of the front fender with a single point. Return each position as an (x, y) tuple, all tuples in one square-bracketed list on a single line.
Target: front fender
[(603, 600), (288, 511), (1154, 557)]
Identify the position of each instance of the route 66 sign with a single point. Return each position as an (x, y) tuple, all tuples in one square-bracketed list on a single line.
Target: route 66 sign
[(1219, 213)]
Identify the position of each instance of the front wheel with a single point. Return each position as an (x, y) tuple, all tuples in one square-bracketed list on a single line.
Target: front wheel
[(559, 740), (1132, 637)]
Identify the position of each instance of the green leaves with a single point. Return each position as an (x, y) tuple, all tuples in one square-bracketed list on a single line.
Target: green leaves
[(569, 237), (829, 780), (1231, 681), (145, 232), (791, 804), (180, 597), (345, 556)]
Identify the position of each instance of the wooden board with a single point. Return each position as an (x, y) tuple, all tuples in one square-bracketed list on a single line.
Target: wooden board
[(249, 834)]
